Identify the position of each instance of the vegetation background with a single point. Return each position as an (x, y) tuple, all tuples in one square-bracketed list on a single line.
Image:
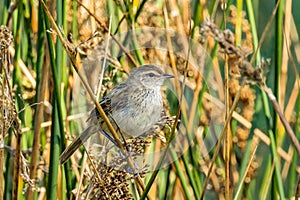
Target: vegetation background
[(256, 157)]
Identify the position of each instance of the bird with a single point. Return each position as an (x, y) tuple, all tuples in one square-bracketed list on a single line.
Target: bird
[(133, 107)]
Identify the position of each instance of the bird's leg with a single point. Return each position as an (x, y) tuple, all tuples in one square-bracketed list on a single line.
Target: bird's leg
[(108, 137), (123, 138), (130, 153), (136, 171)]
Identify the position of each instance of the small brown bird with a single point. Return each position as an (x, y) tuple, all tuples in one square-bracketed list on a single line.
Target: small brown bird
[(133, 106)]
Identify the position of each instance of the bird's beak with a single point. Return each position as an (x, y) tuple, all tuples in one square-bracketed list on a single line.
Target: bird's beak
[(168, 76)]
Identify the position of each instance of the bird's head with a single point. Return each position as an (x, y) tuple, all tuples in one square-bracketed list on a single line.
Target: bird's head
[(148, 76)]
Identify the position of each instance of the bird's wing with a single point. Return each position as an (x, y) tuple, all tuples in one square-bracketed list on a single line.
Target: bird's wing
[(96, 119), (108, 102), (106, 106)]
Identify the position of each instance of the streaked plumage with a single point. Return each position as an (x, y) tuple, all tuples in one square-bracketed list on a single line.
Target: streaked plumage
[(133, 106)]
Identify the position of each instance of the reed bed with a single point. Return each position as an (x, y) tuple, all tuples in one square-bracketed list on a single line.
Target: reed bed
[(230, 129)]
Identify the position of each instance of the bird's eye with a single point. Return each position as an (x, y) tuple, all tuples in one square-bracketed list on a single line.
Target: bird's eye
[(151, 75)]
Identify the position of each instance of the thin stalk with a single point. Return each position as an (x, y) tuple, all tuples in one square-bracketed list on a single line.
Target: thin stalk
[(168, 185), (282, 118), (267, 179), (277, 181), (100, 78), (60, 76), (190, 175), (297, 193), (244, 167), (180, 174), (40, 93), (139, 10), (293, 173), (112, 29), (74, 20), (57, 129), (112, 13), (17, 71), (228, 137), (54, 154), (64, 68), (238, 26), (19, 103), (278, 62), (131, 21), (196, 16), (227, 142), (4, 11), (8, 186), (253, 29), (273, 146)]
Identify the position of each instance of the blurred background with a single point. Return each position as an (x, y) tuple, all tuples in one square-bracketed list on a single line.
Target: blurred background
[(218, 50)]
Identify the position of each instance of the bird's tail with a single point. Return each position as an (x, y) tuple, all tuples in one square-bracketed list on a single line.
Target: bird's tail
[(77, 142)]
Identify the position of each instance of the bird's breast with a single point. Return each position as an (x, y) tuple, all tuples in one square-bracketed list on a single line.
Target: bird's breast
[(139, 113)]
